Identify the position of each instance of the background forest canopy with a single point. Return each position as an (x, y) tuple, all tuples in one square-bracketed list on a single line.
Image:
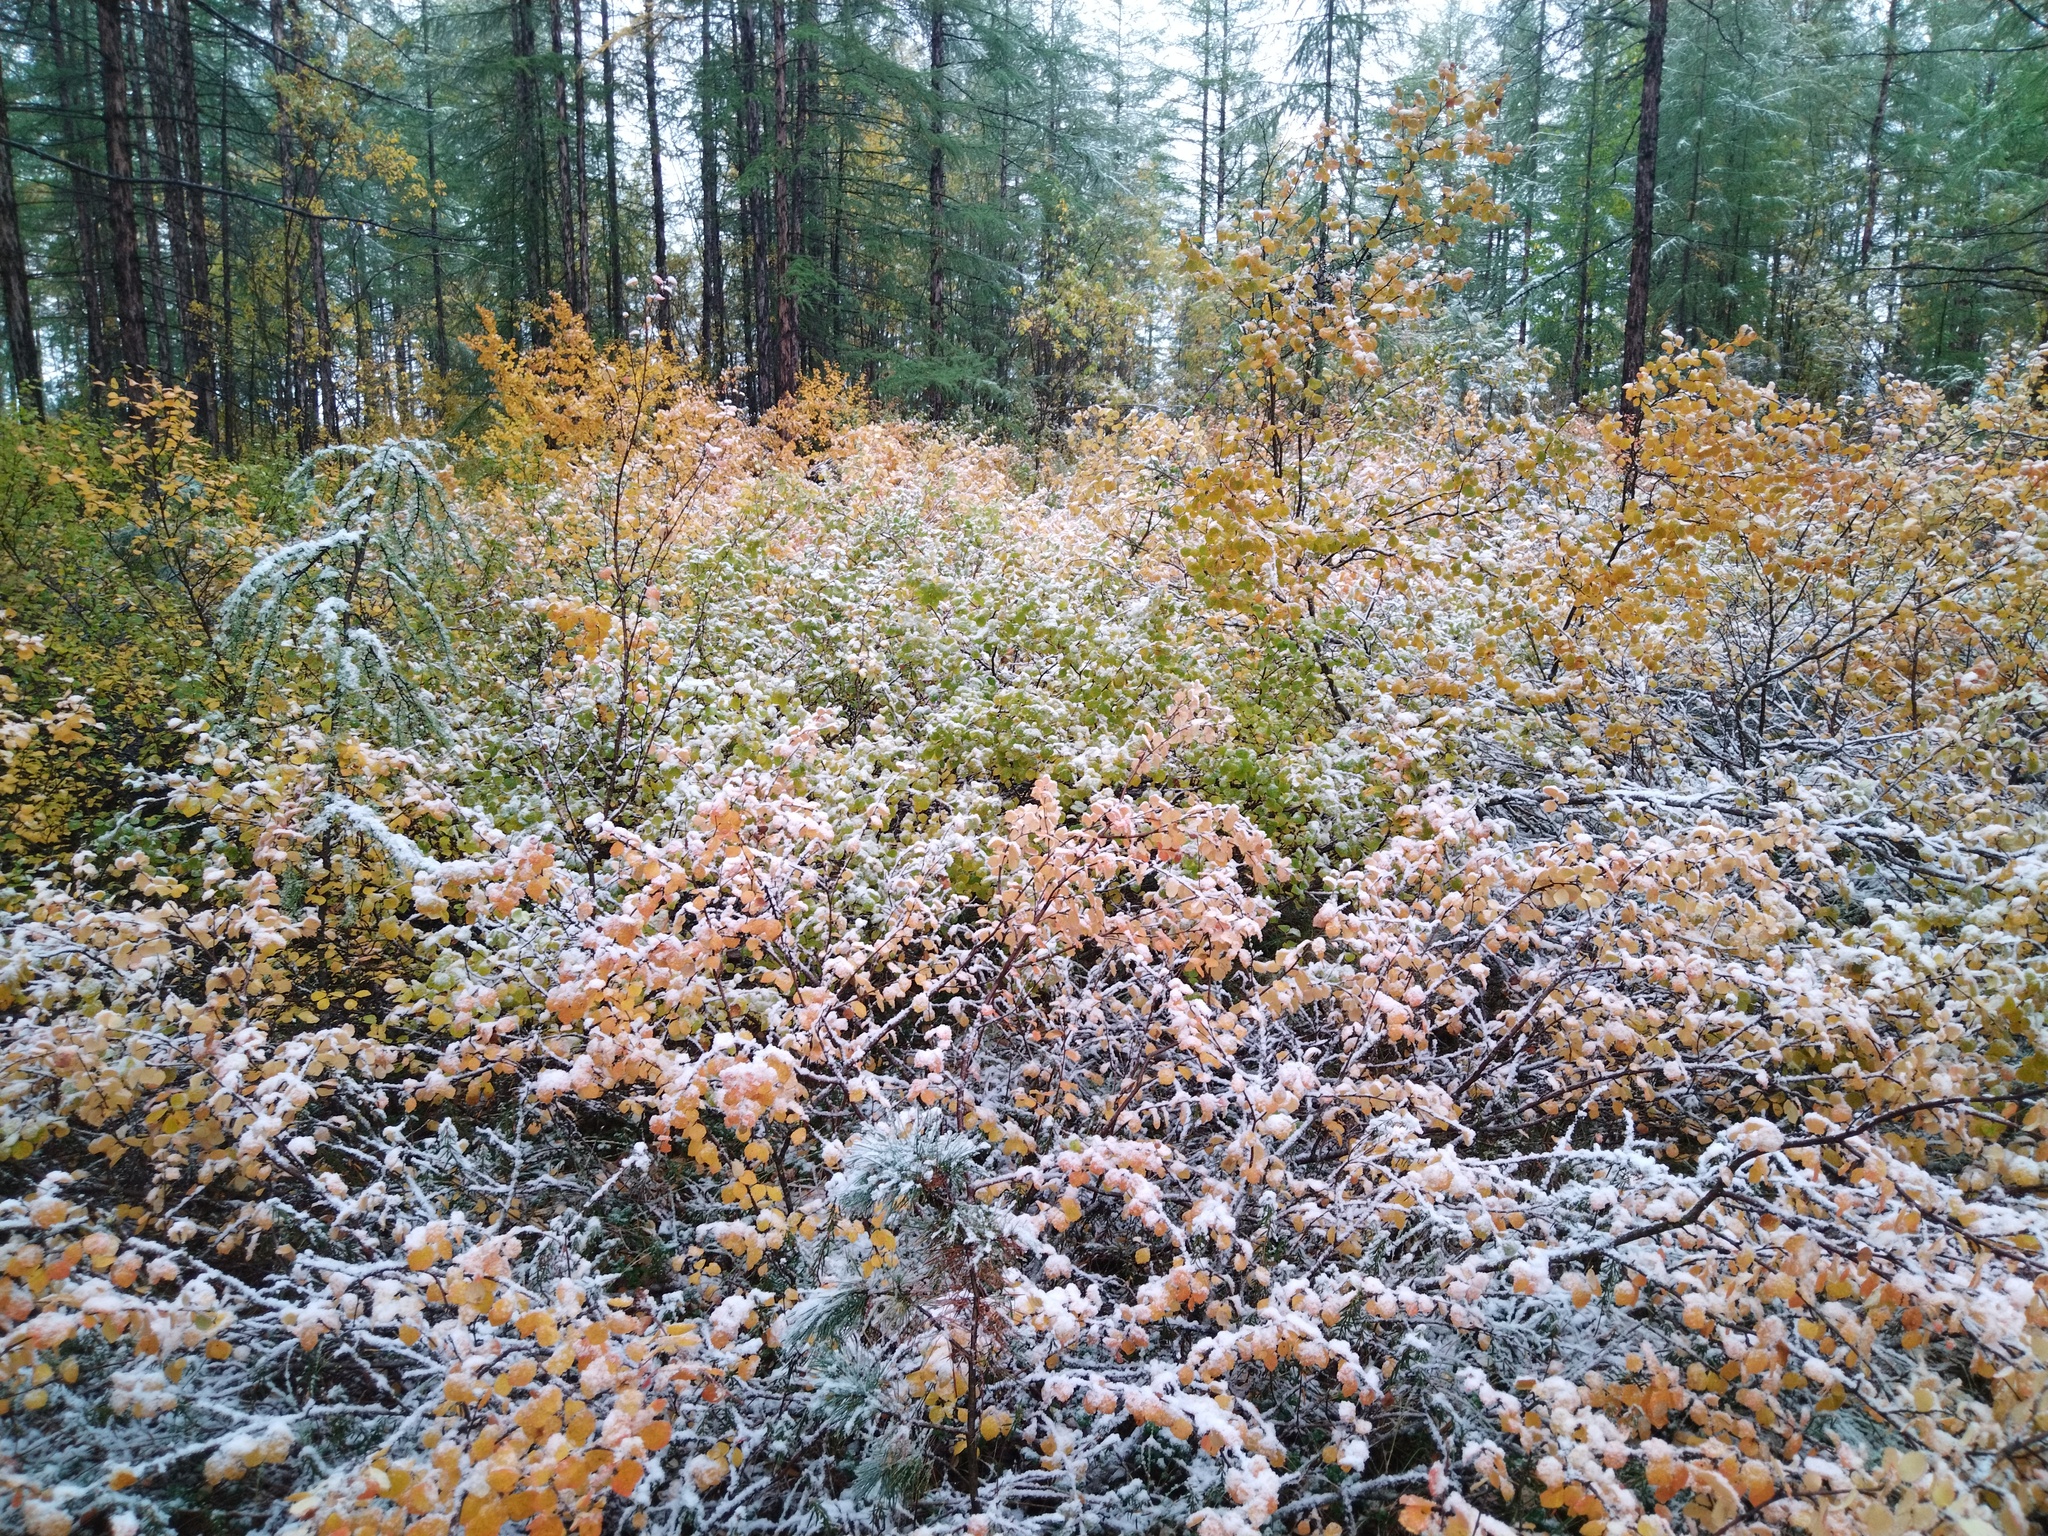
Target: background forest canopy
[(296, 211)]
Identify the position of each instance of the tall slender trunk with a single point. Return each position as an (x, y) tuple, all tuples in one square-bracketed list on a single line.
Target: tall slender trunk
[(664, 310), (312, 390), (532, 152), (1329, 62), (153, 57), (1635, 330), (836, 249), (580, 104), (1222, 112), (292, 361), (1202, 158), (323, 326), (434, 205), (565, 170), (1582, 314), (369, 402), (228, 433), (1532, 179), (754, 214), (711, 316), (1692, 212), (788, 363), (177, 160), (806, 178), (935, 195), (92, 306), (22, 353), (200, 360), (615, 282), (1873, 161), (149, 181), (125, 257)]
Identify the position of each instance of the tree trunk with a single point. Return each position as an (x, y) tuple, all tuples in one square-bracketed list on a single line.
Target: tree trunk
[(1531, 181), (531, 151), (323, 327), (154, 59), (200, 361), (1222, 112), (1582, 314), (434, 210), (754, 214), (788, 363), (565, 170), (935, 193), (370, 404), (711, 315), (228, 434), (615, 282), (1643, 235), (580, 103), (292, 362), (1692, 213), (149, 180), (1329, 63), (664, 310), (22, 352), (126, 254), (1872, 169), (167, 34), (313, 390), (90, 267), (1202, 157), (806, 178)]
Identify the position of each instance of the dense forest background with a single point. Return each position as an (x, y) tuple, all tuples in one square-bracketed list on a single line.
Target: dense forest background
[(974, 206)]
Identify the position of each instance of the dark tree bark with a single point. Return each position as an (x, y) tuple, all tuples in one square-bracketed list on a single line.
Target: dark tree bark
[(228, 423), (788, 364), (167, 31), (434, 214), (22, 353), (201, 363), (711, 318), (565, 170), (149, 181), (580, 105), (370, 405), (1874, 163), (664, 309), (292, 363), (754, 214), (125, 255), (1329, 62), (84, 200), (615, 281), (532, 154), (1582, 313), (1222, 115), (935, 197), (806, 176), (1635, 332), (309, 362), (1202, 156), (323, 324), (1535, 167)]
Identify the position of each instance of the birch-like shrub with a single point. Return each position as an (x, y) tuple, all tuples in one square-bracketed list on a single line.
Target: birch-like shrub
[(899, 1002)]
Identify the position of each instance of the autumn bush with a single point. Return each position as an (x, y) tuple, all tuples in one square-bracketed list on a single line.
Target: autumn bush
[(1359, 960)]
